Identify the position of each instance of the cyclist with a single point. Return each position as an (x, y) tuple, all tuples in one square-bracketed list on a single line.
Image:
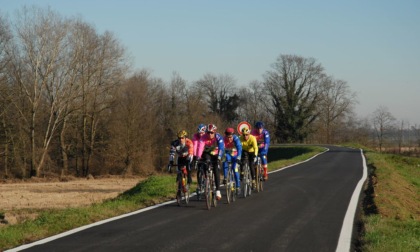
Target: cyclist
[(198, 149), (213, 151), (263, 141), (249, 151), (233, 152), (183, 147)]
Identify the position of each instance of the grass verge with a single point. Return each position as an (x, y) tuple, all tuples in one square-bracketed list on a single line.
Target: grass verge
[(391, 211), (156, 189)]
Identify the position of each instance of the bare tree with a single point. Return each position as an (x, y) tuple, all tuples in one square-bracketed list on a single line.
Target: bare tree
[(293, 87), (5, 96), (254, 106), (41, 37), (220, 95), (335, 104), (383, 122)]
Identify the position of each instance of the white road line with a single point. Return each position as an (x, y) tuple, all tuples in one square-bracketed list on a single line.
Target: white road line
[(344, 241), (86, 227)]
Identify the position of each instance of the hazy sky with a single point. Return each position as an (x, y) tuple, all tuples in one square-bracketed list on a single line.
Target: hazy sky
[(372, 45)]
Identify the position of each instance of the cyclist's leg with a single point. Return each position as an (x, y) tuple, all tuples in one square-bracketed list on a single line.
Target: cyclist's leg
[(188, 164), (244, 159), (264, 163), (235, 171), (251, 164), (225, 165), (183, 162), (216, 172)]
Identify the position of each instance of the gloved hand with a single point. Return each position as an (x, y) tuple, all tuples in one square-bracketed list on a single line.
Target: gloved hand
[(255, 160), (169, 168), (219, 158), (190, 158)]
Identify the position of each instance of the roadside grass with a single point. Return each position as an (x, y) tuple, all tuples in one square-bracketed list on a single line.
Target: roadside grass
[(391, 222), (156, 189)]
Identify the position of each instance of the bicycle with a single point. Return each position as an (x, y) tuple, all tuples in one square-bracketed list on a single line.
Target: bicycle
[(183, 192), (210, 186), (200, 167), (206, 183), (259, 175), (230, 184), (246, 180)]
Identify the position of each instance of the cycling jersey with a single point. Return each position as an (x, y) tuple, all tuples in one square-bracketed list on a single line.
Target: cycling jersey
[(182, 150), (263, 140), (214, 146), (198, 149), (234, 148), (249, 145)]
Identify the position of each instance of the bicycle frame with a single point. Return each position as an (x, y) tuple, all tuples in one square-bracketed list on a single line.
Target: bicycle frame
[(207, 179), (247, 179), (182, 194)]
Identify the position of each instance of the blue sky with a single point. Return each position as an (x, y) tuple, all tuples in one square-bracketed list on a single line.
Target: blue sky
[(372, 45)]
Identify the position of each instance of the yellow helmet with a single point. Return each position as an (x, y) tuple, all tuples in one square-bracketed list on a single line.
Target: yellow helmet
[(245, 131), (182, 133)]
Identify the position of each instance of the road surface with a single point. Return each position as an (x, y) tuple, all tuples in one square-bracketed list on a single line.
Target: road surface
[(302, 208)]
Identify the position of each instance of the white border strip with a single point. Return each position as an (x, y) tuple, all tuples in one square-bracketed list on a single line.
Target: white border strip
[(344, 242), (86, 227)]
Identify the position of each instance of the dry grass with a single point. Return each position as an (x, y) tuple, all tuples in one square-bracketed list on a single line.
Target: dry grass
[(18, 199)]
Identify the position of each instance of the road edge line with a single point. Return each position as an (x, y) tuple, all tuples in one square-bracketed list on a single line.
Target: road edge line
[(345, 238)]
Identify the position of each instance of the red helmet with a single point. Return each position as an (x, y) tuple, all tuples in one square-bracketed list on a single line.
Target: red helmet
[(211, 128), (229, 131)]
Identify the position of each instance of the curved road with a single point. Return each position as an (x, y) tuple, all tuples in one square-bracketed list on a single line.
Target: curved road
[(302, 208)]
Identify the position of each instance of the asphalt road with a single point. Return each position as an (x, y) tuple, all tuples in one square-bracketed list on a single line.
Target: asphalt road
[(302, 208)]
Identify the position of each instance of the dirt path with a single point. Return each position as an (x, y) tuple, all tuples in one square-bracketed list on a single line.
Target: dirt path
[(80, 192)]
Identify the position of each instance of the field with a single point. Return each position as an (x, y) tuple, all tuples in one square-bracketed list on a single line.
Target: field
[(40, 194)]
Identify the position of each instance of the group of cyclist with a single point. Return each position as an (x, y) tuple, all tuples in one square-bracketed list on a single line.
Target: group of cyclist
[(209, 145)]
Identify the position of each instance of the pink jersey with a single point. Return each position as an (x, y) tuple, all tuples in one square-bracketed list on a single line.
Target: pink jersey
[(198, 146)]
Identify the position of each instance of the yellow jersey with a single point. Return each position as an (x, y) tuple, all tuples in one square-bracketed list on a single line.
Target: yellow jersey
[(249, 145)]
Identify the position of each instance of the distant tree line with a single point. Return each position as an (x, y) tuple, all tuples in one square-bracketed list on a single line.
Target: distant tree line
[(71, 105)]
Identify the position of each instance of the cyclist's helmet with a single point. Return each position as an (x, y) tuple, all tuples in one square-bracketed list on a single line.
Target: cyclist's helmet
[(229, 131), (259, 125), (211, 128), (201, 128), (245, 131), (182, 133)]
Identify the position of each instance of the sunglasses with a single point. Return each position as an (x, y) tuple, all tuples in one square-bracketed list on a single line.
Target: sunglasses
[(211, 133)]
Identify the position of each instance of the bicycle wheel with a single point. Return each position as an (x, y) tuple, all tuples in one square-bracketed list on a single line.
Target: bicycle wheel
[(213, 186), (249, 180), (261, 178), (228, 184), (233, 185), (200, 184), (186, 191), (207, 191), (246, 181), (257, 177)]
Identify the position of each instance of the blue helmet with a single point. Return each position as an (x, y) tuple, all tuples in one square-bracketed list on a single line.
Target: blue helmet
[(202, 128), (259, 125)]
